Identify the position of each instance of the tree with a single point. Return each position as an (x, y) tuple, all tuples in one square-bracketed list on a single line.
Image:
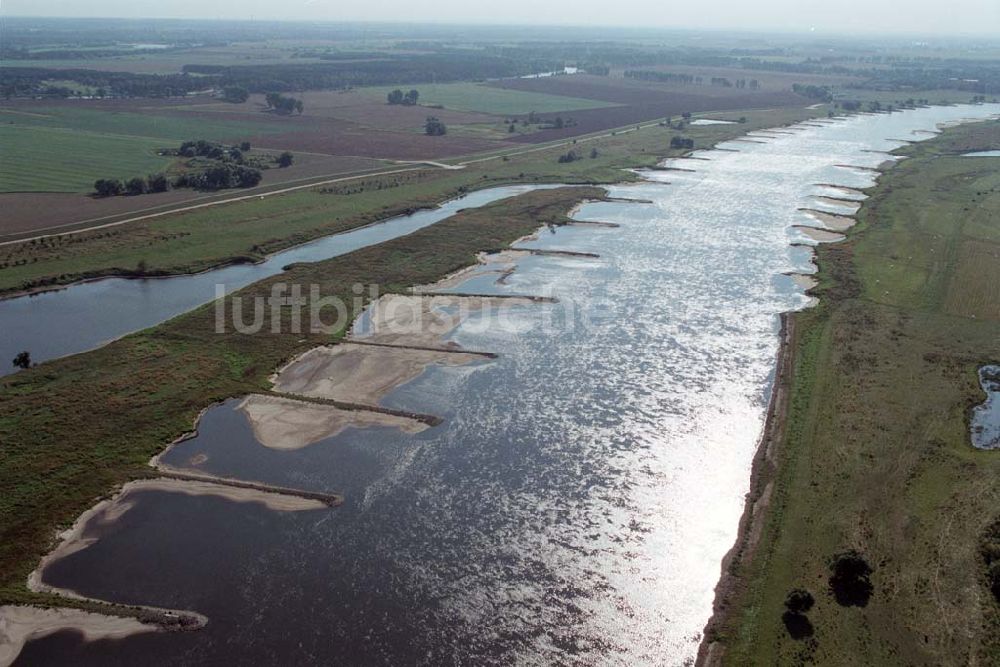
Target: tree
[(158, 182), (593, 153), (299, 106), (22, 360), (849, 579), (799, 601), (108, 187), (395, 97), (245, 146), (136, 186), (285, 159), (434, 127), (235, 94), (686, 115)]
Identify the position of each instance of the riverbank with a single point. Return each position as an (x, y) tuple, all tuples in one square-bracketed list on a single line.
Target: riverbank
[(868, 444)]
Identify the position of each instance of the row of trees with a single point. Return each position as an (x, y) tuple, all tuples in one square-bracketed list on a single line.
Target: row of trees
[(213, 150), (674, 77), (406, 99), (138, 185), (221, 177), (282, 104)]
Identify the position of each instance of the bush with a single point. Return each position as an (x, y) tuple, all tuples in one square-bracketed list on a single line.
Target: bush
[(434, 127), (682, 142), (22, 360), (285, 159)]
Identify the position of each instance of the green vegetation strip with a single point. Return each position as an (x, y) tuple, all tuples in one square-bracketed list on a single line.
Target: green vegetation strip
[(73, 429), (876, 455)]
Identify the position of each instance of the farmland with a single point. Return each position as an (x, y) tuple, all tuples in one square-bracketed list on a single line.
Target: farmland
[(65, 149), (876, 452), (43, 159)]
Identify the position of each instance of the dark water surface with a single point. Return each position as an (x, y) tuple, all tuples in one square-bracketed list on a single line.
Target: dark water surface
[(576, 503)]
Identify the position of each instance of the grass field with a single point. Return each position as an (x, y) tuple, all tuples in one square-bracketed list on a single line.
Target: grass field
[(66, 149), (42, 159), (497, 101), (75, 428), (196, 240), (877, 454)]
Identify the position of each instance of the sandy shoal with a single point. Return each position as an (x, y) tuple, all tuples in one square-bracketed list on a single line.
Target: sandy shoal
[(804, 281), (821, 235), (285, 424), (425, 320), (832, 221), (852, 204), (20, 624), (360, 373)]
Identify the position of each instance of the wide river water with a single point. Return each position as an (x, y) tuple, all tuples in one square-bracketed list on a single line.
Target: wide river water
[(576, 502)]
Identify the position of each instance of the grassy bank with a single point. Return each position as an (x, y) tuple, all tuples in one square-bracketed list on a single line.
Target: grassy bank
[(249, 230), (74, 428), (875, 454)]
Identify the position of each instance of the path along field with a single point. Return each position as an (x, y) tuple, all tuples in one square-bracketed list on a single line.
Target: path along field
[(876, 453)]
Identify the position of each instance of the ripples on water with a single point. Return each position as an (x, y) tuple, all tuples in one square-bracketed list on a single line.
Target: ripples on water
[(575, 505)]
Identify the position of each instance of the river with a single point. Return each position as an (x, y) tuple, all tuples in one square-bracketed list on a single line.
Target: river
[(576, 502)]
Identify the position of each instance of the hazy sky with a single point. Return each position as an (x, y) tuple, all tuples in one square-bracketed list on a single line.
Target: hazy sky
[(911, 16)]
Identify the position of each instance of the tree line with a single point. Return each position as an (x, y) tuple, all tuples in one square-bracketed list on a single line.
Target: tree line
[(691, 79)]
